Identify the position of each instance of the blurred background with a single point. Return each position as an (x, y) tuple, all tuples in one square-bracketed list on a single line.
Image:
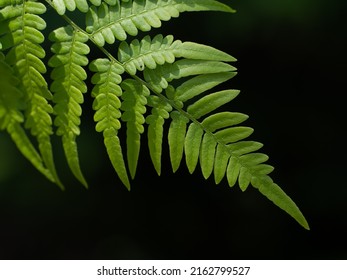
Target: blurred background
[(292, 67)]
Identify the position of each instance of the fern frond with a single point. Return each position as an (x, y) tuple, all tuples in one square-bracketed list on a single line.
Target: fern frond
[(11, 97), (21, 37), (215, 140), (160, 112), (107, 23), (107, 106), (218, 143), (134, 107), (171, 82), (147, 53), (68, 86), (11, 106)]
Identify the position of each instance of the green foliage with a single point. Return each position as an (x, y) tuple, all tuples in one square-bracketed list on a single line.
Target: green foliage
[(143, 84)]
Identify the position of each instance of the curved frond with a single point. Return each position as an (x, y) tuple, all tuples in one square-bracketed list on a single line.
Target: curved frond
[(11, 106), (21, 37), (219, 144), (107, 106), (214, 139), (107, 23), (172, 86), (68, 85)]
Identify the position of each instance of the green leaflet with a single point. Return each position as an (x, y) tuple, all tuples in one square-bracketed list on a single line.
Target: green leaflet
[(198, 51), (192, 145), (25, 146), (147, 53), (207, 154), (156, 120), (216, 140), (199, 84), (275, 194), (24, 53), (115, 154), (160, 77), (62, 5), (134, 107), (177, 132), (220, 163), (211, 102), (68, 87), (152, 83), (222, 120), (107, 23), (107, 106), (11, 98), (11, 103)]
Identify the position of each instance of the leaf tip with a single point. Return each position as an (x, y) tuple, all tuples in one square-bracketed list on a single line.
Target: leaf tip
[(305, 224)]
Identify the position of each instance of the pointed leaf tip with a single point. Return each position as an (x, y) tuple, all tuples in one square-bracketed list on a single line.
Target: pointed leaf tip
[(274, 193), (193, 50)]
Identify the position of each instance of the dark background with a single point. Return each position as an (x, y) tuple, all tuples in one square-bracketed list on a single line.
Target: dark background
[(292, 66)]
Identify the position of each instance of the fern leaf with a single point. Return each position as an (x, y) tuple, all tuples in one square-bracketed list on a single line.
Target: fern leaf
[(177, 132), (207, 154), (219, 144), (192, 144), (275, 194), (220, 163), (11, 104), (233, 171), (24, 145), (199, 84), (211, 102), (107, 106), (202, 5), (160, 77), (222, 120), (107, 23), (155, 120), (11, 97), (222, 150), (179, 87), (147, 53), (199, 51), (24, 53), (70, 52), (134, 107), (215, 140), (62, 5), (115, 153)]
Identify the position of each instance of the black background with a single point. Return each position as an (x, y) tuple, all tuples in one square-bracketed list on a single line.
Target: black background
[(292, 67)]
